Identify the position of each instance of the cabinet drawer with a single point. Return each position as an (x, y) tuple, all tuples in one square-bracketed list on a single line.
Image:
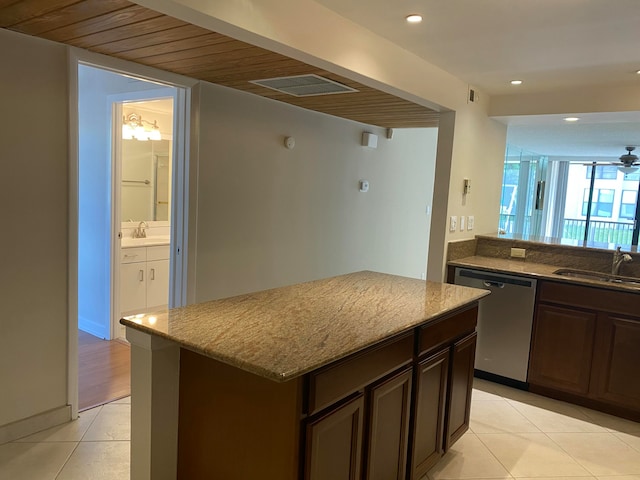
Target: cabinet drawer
[(445, 330), (330, 384), (135, 254), (592, 298), (159, 252)]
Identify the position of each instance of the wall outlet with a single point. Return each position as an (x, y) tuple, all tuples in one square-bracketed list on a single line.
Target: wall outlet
[(518, 252), (470, 221), (462, 223), (453, 223)]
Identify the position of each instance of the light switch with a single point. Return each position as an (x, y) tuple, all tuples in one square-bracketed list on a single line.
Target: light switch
[(453, 223), (470, 222), (462, 223)]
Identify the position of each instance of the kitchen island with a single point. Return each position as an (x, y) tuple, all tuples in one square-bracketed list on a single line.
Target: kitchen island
[(364, 375)]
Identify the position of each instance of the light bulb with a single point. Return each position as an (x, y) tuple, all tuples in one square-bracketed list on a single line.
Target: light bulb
[(127, 132)]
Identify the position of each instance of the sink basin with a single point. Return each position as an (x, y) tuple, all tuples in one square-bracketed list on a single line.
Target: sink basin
[(597, 276)]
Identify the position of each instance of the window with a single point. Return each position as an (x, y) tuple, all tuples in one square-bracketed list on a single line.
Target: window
[(607, 172), (569, 190), (632, 176), (602, 205), (628, 205)]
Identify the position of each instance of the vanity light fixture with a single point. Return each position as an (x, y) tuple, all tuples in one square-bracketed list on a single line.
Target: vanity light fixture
[(571, 119), (133, 126), (516, 82), (414, 18)]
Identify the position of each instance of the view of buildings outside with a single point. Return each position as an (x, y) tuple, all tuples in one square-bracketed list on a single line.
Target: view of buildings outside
[(551, 199)]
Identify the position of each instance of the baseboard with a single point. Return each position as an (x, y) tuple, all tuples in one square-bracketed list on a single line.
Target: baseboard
[(492, 377), (34, 424), (89, 326)]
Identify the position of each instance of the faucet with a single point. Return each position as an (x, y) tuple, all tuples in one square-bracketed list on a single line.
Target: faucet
[(140, 231), (618, 259)]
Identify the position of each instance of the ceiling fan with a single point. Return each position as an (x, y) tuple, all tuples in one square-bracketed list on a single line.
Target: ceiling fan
[(629, 161)]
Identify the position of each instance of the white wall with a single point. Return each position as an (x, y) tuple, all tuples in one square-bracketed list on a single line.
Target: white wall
[(33, 199), (268, 216)]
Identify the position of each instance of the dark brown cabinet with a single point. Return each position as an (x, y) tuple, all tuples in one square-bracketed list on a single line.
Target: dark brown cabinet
[(460, 386), (562, 348), (389, 428), (586, 347), (334, 443), (428, 440), (617, 360)]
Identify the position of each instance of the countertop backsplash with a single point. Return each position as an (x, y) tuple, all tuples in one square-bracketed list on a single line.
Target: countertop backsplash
[(578, 257)]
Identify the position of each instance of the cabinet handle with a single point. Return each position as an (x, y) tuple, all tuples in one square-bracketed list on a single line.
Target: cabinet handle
[(153, 274), (126, 255), (141, 275)]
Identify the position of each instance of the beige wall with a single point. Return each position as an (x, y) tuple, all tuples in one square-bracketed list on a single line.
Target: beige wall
[(268, 216), (33, 195), (475, 145)]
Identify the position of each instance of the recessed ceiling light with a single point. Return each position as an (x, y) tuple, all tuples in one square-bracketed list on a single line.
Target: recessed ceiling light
[(571, 119), (638, 72), (414, 18), (516, 82)]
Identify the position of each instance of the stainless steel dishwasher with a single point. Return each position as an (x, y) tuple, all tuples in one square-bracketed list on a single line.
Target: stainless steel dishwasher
[(505, 319)]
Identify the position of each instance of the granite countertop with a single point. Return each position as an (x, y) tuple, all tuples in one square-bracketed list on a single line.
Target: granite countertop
[(285, 332), (536, 270)]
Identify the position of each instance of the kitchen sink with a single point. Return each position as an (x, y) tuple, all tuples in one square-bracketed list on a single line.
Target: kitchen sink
[(597, 276)]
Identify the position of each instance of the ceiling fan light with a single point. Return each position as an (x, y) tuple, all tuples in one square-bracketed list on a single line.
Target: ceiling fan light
[(627, 170)]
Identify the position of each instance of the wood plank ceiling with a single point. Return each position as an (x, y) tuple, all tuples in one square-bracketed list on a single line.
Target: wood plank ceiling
[(129, 31)]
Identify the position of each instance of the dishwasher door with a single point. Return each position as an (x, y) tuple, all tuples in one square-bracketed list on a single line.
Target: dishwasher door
[(505, 320)]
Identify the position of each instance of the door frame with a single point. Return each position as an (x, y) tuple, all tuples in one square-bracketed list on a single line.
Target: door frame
[(179, 268)]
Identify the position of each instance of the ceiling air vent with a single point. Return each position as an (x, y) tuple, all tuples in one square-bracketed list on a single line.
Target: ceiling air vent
[(304, 85)]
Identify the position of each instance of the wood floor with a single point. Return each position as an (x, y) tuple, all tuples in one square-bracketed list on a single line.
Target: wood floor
[(104, 370)]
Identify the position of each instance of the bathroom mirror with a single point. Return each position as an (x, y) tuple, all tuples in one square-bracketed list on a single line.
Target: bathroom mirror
[(146, 180)]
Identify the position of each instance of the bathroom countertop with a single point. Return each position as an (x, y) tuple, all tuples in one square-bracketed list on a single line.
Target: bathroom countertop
[(285, 332), (144, 242)]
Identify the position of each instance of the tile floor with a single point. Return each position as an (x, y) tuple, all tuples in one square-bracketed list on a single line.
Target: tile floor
[(513, 434), (94, 447)]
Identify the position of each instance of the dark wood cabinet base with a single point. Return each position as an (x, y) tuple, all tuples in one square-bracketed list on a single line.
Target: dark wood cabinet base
[(388, 410), (622, 412)]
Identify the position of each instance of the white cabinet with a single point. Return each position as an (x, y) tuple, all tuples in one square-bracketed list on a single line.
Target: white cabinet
[(144, 278)]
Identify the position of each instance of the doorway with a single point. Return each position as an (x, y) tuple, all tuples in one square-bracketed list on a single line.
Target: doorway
[(129, 186)]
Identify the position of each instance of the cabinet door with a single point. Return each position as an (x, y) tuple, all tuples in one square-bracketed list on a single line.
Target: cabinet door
[(157, 283), (389, 428), (133, 287), (431, 387), (463, 356), (562, 348), (616, 361), (334, 443)]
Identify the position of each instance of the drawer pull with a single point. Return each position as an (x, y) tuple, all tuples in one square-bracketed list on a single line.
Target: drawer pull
[(126, 255), (153, 274), (141, 275)]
